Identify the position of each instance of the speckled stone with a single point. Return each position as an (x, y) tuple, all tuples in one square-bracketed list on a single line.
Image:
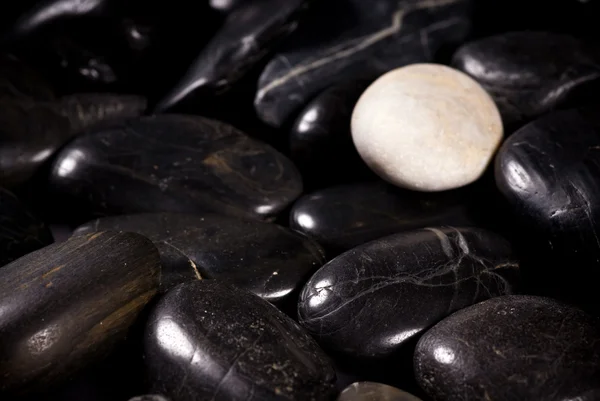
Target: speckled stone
[(266, 259), (369, 391), (426, 127), (206, 340), (372, 301), (512, 348)]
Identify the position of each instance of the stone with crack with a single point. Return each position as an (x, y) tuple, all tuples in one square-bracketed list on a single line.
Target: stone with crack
[(512, 348), (531, 73), (364, 40), (206, 340), (266, 259), (372, 301)]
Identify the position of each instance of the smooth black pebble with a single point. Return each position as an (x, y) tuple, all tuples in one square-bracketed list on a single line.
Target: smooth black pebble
[(370, 302), (322, 129), (149, 397), (174, 163), (20, 231), (206, 339), (531, 73), (342, 217), (363, 41), (67, 305), (249, 33), (512, 348), (268, 260), (549, 172)]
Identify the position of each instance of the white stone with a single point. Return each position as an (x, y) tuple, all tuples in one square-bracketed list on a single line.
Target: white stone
[(426, 127)]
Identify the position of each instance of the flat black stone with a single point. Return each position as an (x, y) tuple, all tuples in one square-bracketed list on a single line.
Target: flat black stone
[(32, 131), (174, 163), (549, 172), (362, 41), (266, 259), (68, 304), (340, 218), (322, 129), (531, 73), (369, 391), (249, 34), (20, 232), (208, 340), (149, 397), (512, 348), (371, 301)]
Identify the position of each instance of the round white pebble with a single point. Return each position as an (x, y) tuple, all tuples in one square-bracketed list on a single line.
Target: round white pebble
[(426, 127)]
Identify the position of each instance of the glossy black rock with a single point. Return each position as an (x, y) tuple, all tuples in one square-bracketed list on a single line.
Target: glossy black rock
[(531, 73), (208, 340), (66, 305), (369, 391), (32, 131), (174, 163), (149, 397), (362, 41), (372, 300), (321, 130), (266, 259), (343, 217), (512, 348), (20, 232), (250, 32), (549, 171)]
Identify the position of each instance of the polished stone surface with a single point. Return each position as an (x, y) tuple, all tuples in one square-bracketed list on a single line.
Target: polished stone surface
[(512, 348), (263, 258), (32, 131), (249, 34), (371, 301), (68, 304), (322, 129), (149, 397), (426, 127), (531, 73), (363, 40), (549, 172), (207, 340), (369, 391), (20, 231), (342, 217), (174, 163)]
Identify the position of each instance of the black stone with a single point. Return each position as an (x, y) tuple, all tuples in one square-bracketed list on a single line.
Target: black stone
[(19, 81), (174, 163), (369, 391), (226, 6), (512, 348), (207, 340), (321, 130), (371, 301), (20, 232), (340, 218), (266, 259), (68, 304), (549, 172), (361, 41), (32, 131), (248, 35), (531, 73)]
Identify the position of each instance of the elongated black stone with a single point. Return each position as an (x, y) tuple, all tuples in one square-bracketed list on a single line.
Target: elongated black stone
[(266, 259), (174, 163), (369, 302), (68, 304), (207, 340)]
